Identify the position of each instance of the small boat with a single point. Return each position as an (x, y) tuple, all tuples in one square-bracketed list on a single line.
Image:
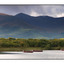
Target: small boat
[(29, 51), (37, 50), (62, 49)]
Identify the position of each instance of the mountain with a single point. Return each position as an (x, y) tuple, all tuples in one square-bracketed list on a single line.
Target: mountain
[(25, 26), (47, 23)]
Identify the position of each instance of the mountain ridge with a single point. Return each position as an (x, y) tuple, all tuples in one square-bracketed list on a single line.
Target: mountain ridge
[(25, 26)]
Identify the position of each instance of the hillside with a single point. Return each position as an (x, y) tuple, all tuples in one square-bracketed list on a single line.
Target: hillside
[(25, 26)]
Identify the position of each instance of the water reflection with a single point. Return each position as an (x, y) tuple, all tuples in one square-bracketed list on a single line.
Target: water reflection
[(46, 54)]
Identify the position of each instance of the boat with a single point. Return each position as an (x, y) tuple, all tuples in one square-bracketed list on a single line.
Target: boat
[(37, 50), (62, 49)]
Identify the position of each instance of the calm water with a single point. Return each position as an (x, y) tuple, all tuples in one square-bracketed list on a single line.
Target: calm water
[(46, 54)]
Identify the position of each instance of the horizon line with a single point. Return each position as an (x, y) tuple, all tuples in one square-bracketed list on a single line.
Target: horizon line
[(30, 15)]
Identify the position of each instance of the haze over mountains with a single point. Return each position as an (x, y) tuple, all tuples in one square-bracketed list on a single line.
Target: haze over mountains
[(25, 26)]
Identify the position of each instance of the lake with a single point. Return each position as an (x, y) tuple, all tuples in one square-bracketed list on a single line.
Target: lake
[(45, 55)]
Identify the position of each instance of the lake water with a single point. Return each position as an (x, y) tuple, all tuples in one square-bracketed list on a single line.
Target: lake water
[(45, 55)]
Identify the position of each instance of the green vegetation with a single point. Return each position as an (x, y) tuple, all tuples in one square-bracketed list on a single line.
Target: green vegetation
[(13, 44)]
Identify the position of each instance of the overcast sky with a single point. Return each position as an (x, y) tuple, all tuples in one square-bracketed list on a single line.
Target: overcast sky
[(34, 10)]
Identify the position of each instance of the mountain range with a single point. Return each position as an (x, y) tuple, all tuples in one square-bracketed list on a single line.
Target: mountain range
[(24, 26)]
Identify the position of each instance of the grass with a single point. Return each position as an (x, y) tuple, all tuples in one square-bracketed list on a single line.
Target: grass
[(29, 48), (20, 49)]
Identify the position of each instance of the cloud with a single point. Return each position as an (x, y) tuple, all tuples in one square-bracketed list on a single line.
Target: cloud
[(33, 13), (60, 15), (34, 10)]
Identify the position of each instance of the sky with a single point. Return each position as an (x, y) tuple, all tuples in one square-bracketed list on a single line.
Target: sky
[(34, 10)]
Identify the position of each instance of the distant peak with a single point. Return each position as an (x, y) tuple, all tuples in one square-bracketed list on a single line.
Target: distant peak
[(22, 14)]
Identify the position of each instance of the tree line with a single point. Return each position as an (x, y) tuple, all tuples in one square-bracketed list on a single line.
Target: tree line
[(51, 44)]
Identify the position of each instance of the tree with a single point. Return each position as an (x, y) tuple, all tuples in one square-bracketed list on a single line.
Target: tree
[(10, 38)]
